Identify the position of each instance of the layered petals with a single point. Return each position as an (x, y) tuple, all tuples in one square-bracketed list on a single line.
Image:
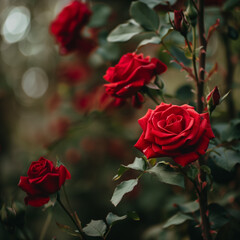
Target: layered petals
[(175, 131), (43, 179), (68, 24), (128, 77)]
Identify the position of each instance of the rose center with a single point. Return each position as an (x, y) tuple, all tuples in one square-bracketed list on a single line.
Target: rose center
[(174, 123)]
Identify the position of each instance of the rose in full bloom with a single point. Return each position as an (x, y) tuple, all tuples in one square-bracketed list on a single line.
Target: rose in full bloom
[(131, 73), (43, 179), (175, 131), (67, 26)]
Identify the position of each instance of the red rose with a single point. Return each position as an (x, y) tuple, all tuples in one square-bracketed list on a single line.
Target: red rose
[(214, 95), (213, 99), (131, 73), (180, 24), (175, 131), (43, 179), (178, 18), (68, 24)]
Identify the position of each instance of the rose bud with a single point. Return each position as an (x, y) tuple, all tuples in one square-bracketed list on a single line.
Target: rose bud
[(180, 23), (192, 13), (43, 180), (130, 75), (67, 26), (213, 99), (175, 131)]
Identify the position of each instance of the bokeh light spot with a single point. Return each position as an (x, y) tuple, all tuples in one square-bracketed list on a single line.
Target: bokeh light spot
[(16, 24), (34, 82)]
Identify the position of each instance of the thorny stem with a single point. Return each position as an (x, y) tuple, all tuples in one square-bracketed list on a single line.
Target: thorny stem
[(202, 56), (203, 194), (69, 214), (203, 203)]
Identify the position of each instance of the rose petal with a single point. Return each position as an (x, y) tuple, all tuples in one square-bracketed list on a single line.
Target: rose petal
[(36, 201), (49, 183), (143, 121), (30, 189), (187, 158), (63, 175)]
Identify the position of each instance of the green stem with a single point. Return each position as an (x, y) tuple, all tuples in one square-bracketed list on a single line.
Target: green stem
[(188, 44), (151, 96), (106, 235), (71, 210), (45, 226), (69, 214), (194, 54), (203, 194)]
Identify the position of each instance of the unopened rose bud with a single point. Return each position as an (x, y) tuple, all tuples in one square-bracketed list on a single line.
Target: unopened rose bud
[(191, 13), (180, 23), (213, 99)]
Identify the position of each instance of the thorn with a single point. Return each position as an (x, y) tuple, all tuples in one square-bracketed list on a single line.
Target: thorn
[(207, 213), (204, 184)]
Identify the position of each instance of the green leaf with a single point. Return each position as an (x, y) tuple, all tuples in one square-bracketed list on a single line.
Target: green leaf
[(109, 51), (122, 189), (139, 164), (96, 228), (177, 219), (189, 207), (218, 215), (230, 4), (154, 3), (125, 31), (192, 172), (224, 97), (165, 174), (68, 230), (112, 218), (133, 215), (164, 32), (232, 132), (225, 158), (153, 40), (101, 13), (145, 16), (184, 93)]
